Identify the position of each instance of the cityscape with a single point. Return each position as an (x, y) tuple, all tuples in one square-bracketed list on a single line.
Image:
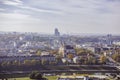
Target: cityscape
[(59, 39), (92, 57)]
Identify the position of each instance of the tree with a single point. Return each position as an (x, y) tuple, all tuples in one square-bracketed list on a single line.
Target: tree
[(8, 63), (103, 59), (80, 51), (16, 63), (66, 62), (34, 62), (38, 53), (116, 57), (44, 62), (4, 63), (58, 59), (81, 60), (70, 56), (36, 76), (54, 52), (27, 62), (32, 75), (90, 59)]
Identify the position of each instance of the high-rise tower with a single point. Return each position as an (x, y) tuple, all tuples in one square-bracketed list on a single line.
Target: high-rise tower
[(56, 33), (109, 39)]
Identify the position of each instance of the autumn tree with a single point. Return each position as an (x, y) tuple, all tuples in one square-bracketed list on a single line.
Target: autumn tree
[(44, 62), (90, 59), (38, 53), (54, 52), (70, 56), (34, 62), (4, 63), (58, 59), (16, 63), (27, 62), (80, 51), (116, 57), (103, 59)]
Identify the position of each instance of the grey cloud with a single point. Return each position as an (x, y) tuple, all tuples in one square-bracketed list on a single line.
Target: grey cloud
[(11, 2), (70, 15)]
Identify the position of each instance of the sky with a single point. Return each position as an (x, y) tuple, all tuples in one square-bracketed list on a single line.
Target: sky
[(69, 16)]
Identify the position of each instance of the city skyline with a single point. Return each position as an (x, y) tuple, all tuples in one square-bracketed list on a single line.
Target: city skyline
[(78, 16)]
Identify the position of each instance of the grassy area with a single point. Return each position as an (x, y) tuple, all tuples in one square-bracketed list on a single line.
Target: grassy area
[(51, 77), (27, 78), (23, 78)]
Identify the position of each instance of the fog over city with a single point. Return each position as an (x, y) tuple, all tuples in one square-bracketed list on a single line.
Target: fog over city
[(69, 16)]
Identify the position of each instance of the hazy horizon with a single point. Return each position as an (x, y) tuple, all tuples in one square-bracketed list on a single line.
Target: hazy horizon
[(69, 16)]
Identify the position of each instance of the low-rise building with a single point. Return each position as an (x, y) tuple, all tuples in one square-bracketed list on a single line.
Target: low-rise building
[(66, 49)]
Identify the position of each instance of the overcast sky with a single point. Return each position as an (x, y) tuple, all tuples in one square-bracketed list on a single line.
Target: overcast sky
[(69, 16)]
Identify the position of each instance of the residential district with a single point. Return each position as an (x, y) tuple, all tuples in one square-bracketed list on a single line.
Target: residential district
[(60, 54)]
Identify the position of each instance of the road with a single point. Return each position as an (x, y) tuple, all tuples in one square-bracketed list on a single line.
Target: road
[(84, 69), (75, 68)]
